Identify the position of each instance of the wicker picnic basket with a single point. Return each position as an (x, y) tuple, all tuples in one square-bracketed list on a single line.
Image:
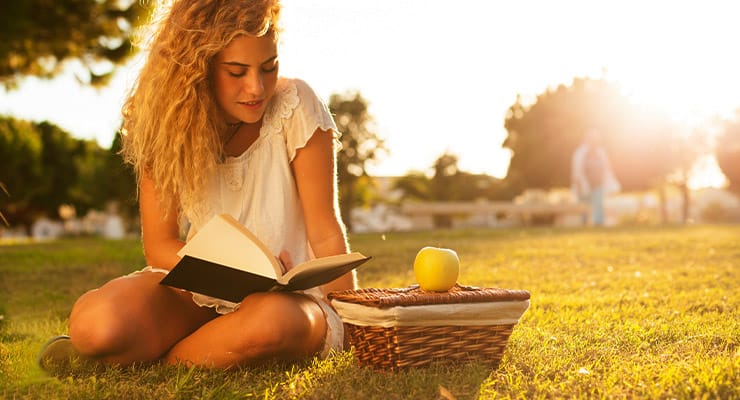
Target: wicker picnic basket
[(391, 329)]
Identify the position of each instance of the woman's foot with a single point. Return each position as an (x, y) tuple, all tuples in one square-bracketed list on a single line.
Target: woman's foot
[(59, 357)]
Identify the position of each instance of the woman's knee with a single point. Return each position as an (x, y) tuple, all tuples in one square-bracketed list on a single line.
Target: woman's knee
[(281, 324), (97, 327), (112, 319)]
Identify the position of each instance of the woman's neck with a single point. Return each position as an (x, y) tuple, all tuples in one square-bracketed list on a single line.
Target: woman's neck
[(242, 138)]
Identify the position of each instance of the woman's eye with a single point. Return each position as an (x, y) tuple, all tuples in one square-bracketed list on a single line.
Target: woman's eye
[(236, 74), (271, 68)]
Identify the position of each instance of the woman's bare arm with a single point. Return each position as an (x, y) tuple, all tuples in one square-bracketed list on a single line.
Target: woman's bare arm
[(315, 175), (161, 236)]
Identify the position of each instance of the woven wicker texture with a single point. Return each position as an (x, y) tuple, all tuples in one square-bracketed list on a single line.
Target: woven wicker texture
[(414, 296), (401, 347)]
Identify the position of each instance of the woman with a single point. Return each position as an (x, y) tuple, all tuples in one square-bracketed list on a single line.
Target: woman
[(211, 128)]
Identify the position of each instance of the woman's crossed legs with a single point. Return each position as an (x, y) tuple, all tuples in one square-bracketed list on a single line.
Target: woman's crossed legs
[(135, 319)]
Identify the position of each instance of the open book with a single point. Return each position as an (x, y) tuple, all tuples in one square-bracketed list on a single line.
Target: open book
[(227, 261)]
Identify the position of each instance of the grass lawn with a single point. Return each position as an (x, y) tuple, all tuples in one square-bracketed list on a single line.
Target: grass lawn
[(639, 312)]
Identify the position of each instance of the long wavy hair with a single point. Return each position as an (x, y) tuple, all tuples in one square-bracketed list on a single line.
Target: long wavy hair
[(172, 125)]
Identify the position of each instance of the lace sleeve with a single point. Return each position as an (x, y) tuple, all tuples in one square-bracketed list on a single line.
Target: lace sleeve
[(309, 115)]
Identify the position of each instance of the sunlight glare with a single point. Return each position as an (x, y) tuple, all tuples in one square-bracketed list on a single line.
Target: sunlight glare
[(687, 100), (681, 66), (706, 173)]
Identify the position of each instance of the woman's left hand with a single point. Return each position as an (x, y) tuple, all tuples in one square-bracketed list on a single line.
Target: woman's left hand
[(285, 259)]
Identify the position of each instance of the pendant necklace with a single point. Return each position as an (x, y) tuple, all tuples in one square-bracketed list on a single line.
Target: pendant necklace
[(236, 127)]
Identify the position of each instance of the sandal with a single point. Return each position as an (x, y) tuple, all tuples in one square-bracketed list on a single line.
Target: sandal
[(59, 357)]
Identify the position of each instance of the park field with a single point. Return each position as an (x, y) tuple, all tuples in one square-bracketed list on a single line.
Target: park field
[(633, 312)]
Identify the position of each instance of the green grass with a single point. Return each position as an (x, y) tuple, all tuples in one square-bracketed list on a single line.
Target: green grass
[(640, 312)]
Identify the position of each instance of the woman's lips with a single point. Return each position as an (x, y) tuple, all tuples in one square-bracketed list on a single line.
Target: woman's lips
[(252, 105)]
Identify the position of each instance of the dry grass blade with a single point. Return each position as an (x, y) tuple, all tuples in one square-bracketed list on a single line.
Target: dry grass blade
[(445, 394), (2, 186)]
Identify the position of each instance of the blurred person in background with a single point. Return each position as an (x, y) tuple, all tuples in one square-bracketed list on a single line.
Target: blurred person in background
[(592, 178)]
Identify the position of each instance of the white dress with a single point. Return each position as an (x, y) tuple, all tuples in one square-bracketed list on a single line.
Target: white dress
[(257, 187)]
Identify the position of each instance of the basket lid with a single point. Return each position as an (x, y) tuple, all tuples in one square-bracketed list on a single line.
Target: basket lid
[(413, 295)]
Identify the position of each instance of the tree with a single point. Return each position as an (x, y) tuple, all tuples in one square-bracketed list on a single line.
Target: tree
[(37, 37), (360, 145), (50, 168), (728, 152), (414, 185), (118, 180), (687, 151), (90, 188), (644, 146), (443, 181), (20, 150), (60, 155), (448, 183)]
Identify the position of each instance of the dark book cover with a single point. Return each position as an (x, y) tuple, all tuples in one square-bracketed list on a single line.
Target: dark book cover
[(231, 284), (216, 280)]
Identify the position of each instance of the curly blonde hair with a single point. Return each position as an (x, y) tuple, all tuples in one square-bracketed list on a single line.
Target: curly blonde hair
[(173, 127)]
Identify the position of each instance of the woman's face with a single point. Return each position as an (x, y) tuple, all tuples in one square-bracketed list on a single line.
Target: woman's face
[(245, 74)]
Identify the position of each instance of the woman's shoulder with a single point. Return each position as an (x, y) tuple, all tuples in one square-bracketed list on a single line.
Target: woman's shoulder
[(299, 113), (296, 85), (294, 102), (297, 98)]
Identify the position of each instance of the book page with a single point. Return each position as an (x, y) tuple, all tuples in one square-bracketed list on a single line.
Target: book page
[(320, 266), (223, 240)]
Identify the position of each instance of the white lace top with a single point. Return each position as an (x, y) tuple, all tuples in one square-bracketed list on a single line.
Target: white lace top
[(258, 188)]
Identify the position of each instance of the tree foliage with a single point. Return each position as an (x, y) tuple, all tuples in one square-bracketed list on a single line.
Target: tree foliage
[(728, 152), (644, 146), (20, 150), (360, 146), (61, 158), (50, 168), (37, 37), (446, 182), (120, 181)]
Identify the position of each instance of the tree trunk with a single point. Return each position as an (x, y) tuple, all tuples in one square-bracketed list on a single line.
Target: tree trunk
[(663, 204), (686, 203)]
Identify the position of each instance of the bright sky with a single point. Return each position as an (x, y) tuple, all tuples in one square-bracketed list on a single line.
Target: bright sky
[(440, 75)]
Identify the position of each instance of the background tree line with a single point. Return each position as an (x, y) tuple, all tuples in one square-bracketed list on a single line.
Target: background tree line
[(648, 151), (44, 167)]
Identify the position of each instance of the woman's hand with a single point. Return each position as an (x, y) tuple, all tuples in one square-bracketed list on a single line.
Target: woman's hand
[(285, 259)]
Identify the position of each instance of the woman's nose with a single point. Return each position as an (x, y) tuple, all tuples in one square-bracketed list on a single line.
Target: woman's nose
[(254, 84)]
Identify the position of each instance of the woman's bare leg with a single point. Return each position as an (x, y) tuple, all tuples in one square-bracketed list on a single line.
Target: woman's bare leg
[(282, 326), (133, 319)]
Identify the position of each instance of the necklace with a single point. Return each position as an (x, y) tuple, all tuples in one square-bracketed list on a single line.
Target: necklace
[(236, 127)]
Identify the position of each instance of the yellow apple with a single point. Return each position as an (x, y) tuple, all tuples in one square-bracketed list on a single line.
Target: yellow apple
[(436, 268)]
